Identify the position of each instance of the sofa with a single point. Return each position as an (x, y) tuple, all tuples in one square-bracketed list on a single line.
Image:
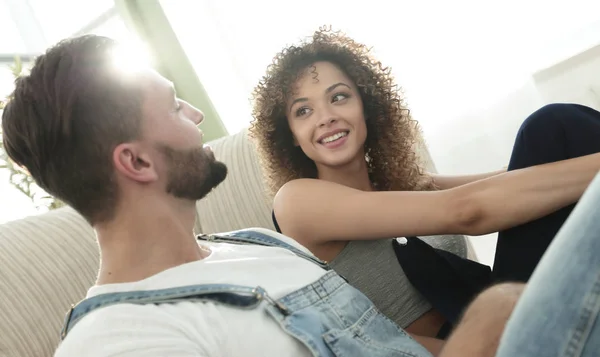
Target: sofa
[(48, 261)]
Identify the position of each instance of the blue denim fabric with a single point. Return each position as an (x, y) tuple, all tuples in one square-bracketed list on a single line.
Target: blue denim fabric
[(332, 318), (558, 313), (249, 236), (329, 316)]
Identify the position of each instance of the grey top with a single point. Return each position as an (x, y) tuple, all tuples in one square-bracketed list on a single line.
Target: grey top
[(372, 267)]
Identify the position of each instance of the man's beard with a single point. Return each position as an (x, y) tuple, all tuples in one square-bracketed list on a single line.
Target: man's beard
[(192, 173)]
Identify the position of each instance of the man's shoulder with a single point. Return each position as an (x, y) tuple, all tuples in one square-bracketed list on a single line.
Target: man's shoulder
[(132, 327), (129, 315), (261, 232), (99, 325)]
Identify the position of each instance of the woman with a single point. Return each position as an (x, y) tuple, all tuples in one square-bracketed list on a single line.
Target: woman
[(337, 143)]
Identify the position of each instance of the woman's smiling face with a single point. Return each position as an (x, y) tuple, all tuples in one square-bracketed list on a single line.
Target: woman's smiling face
[(326, 116)]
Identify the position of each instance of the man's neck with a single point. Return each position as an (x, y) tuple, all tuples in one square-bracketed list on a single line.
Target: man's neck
[(146, 239)]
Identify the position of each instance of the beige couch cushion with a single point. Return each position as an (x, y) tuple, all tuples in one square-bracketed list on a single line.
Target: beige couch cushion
[(48, 262), (241, 200)]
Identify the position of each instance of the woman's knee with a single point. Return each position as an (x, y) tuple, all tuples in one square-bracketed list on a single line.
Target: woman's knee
[(548, 117), (556, 132), (555, 116)]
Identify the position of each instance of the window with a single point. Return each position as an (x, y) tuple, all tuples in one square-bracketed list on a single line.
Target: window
[(62, 18), (448, 56), (28, 28)]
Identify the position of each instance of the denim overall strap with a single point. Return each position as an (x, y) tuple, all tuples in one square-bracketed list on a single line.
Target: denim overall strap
[(242, 297), (334, 319), (250, 236)]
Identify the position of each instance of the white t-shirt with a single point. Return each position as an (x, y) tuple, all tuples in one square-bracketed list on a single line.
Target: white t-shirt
[(198, 328)]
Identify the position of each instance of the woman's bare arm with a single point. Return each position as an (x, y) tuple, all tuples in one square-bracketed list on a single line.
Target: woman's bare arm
[(317, 211), (445, 182)]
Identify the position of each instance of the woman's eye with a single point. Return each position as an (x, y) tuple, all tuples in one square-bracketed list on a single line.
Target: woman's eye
[(338, 97), (302, 111)]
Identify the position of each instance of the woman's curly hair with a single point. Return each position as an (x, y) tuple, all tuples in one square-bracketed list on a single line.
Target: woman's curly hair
[(392, 134)]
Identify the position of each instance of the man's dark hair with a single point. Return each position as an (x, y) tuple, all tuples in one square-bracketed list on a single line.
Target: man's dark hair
[(64, 119)]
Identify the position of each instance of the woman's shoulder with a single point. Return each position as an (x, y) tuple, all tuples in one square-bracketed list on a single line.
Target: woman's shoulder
[(306, 182), (298, 190)]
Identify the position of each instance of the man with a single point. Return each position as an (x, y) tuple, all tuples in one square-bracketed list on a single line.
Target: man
[(125, 152)]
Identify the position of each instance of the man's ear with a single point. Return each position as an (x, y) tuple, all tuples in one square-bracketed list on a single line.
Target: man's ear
[(135, 163)]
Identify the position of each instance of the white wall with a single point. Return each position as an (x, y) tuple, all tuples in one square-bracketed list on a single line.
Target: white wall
[(576, 79), (481, 139)]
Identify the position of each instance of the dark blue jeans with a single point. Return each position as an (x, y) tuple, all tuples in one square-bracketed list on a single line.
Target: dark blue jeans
[(553, 133)]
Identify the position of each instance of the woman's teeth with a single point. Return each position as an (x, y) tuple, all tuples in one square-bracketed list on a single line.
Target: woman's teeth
[(334, 137)]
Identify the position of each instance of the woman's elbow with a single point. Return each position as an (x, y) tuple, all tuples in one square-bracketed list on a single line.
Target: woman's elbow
[(468, 217)]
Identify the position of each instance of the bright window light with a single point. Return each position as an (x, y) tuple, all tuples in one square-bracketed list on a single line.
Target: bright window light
[(131, 56), (447, 56)]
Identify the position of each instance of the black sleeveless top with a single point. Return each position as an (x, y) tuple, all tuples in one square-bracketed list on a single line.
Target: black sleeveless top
[(275, 222)]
